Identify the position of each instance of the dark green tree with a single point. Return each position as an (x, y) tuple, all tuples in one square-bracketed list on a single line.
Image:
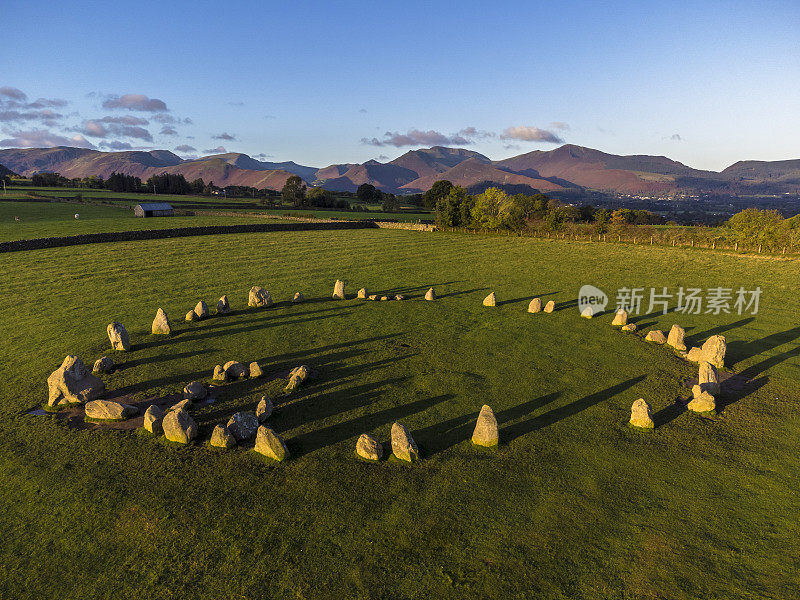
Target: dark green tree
[(294, 191), (438, 190), (368, 193)]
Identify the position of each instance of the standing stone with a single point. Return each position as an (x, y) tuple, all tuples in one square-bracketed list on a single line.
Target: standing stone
[(641, 415), (550, 306), (118, 336), (222, 438), (161, 324), (629, 328), (490, 300), (264, 409), (184, 404), (152, 419), (362, 294), (675, 338), (430, 295), (620, 319), (259, 297), (296, 377), (179, 426), (587, 313), (368, 447), (338, 290), (708, 379), (223, 307), (255, 370), (108, 410), (192, 316), (195, 391), (201, 309), (714, 350), (656, 336), (270, 444), (234, 369), (71, 383), (103, 365), (219, 373), (703, 403), (695, 355), (535, 306), (243, 425), (298, 297), (403, 446), (486, 432)]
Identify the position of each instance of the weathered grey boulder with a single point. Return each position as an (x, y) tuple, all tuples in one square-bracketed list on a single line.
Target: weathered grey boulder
[(108, 410), (259, 297), (255, 370), (195, 391), (234, 369), (703, 403), (222, 438), (587, 313), (535, 305), (179, 426), (362, 294), (403, 445), (161, 324), (430, 294), (338, 290), (399, 297), (708, 379), (270, 444), (201, 309), (490, 300), (71, 383), (641, 415), (368, 447), (714, 350), (486, 432), (243, 425), (192, 316), (550, 306), (219, 373), (103, 365), (656, 336), (118, 336), (620, 318), (695, 355), (675, 338), (152, 419), (298, 297), (184, 404), (264, 409), (223, 306), (629, 328)]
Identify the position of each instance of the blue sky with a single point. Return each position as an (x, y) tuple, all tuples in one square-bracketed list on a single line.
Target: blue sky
[(705, 83)]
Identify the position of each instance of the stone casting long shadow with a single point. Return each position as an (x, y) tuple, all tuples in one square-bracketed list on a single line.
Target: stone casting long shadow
[(741, 350)]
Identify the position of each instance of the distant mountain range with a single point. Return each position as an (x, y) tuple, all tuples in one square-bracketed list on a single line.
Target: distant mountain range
[(568, 168)]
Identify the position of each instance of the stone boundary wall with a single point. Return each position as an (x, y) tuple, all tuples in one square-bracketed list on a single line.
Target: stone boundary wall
[(407, 226), (156, 234)]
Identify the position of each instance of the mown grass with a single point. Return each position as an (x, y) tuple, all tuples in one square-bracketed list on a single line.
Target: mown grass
[(573, 504)]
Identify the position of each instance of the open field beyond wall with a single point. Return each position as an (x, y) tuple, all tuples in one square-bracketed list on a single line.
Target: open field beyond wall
[(573, 504)]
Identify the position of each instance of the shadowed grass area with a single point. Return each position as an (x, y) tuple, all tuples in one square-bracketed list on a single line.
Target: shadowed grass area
[(572, 504)]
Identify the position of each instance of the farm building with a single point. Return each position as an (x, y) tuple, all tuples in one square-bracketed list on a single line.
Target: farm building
[(153, 209)]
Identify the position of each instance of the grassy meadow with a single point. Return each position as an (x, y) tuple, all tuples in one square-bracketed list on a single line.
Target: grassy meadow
[(572, 504)]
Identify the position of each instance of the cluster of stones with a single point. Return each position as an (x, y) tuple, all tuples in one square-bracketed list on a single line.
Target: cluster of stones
[(233, 369), (200, 311), (535, 306)]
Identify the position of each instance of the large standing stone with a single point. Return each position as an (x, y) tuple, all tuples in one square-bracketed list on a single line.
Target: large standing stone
[(161, 324), (222, 438), (219, 373), (179, 426), (708, 379), (641, 415), (259, 297), (108, 410), (430, 294), (264, 409), (234, 369), (714, 350), (656, 336), (195, 391), (620, 319), (192, 316), (243, 425), (103, 365), (490, 300), (338, 290), (201, 309), (535, 306), (362, 294), (550, 306), (675, 338), (403, 446), (486, 432), (223, 306), (369, 448), (152, 418), (118, 336), (703, 403), (71, 383), (298, 297), (270, 444), (255, 370)]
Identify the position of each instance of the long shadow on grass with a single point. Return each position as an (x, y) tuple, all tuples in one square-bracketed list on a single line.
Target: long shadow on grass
[(741, 350), (411, 291), (697, 339), (516, 430), (164, 358), (566, 305), (526, 298), (653, 315), (461, 293)]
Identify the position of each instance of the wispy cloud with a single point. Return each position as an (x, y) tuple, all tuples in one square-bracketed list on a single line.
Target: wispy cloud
[(559, 125), (116, 145), (184, 148), (527, 133), (137, 102), (416, 137), (217, 150), (13, 93), (240, 103), (15, 108), (37, 138), (168, 130), (224, 136), (676, 137), (362, 110), (110, 126)]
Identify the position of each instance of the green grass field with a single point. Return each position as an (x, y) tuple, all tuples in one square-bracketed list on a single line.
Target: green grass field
[(573, 504)]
